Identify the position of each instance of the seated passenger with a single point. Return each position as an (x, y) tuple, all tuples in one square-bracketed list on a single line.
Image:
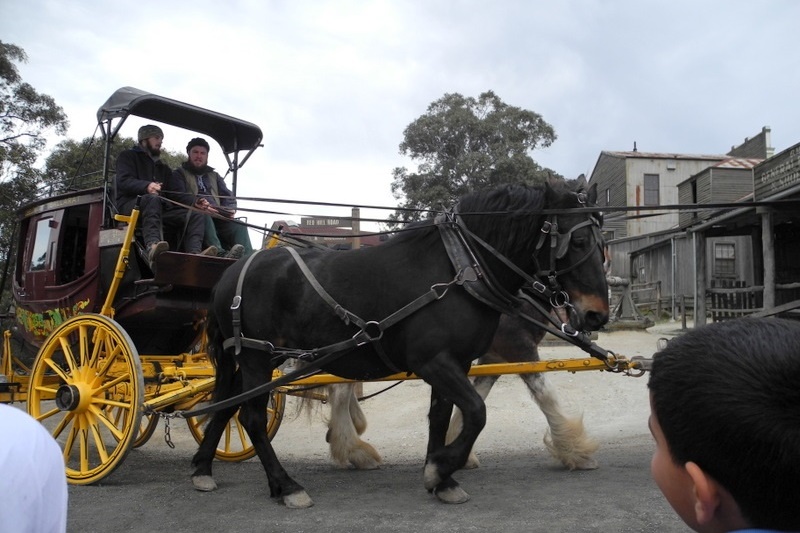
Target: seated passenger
[(198, 184), (140, 172)]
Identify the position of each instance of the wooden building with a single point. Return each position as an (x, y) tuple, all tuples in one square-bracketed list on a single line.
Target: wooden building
[(664, 249)]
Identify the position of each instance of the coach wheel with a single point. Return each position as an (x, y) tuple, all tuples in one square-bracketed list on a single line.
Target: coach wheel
[(147, 425), (235, 445), (87, 389)]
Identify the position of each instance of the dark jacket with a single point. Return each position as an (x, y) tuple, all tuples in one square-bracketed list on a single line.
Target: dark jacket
[(184, 183), (135, 171)]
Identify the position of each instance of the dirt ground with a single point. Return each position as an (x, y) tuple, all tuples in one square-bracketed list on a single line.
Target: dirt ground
[(519, 487)]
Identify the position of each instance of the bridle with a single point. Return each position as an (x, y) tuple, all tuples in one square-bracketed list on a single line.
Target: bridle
[(559, 246), (551, 289)]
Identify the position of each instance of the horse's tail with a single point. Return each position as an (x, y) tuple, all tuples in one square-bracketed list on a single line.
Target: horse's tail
[(225, 365)]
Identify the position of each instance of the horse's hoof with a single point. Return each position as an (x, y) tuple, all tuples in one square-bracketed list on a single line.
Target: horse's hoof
[(298, 500), (365, 463), (452, 495), (472, 462), (204, 483), (365, 457), (588, 463), (430, 477)]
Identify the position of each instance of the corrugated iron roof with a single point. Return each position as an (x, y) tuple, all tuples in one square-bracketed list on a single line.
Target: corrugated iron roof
[(738, 162), (658, 155)]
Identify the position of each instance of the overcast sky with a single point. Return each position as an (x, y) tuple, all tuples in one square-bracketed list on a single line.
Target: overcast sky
[(334, 84)]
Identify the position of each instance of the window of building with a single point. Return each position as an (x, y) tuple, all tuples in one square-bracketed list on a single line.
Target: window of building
[(608, 197), (651, 183), (724, 260)]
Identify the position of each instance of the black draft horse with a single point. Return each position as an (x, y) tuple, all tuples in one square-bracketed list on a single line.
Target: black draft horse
[(301, 303)]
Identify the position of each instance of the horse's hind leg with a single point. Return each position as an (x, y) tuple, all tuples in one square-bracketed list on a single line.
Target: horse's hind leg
[(483, 385), (254, 419), (202, 479), (346, 422), (566, 438)]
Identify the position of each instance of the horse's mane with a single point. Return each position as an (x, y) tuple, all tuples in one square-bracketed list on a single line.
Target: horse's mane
[(505, 199), (516, 203)]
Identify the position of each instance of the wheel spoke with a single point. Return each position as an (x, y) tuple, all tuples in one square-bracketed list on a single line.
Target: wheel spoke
[(68, 417), (83, 344), (83, 443), (98, 415), (99, 444), (67, 351), (70, 443), (125, 378), (57, 369), (98, 338)]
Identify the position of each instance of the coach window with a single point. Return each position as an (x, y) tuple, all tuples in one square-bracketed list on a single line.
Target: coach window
[(41, 243), (724, 260), (651, 185)]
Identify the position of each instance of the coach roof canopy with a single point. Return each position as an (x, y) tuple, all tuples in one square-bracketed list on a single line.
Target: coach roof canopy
[(232, 134)]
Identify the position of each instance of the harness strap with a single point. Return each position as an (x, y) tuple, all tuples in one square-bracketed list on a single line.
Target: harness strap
[(370, 331), (367, 328), (463, 257), (340, 311), (236, 307)]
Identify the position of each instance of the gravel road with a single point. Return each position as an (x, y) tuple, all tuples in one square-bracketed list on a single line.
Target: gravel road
[(519, 487)]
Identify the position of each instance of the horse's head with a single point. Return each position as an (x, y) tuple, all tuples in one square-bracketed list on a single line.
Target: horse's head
[(572, 255)]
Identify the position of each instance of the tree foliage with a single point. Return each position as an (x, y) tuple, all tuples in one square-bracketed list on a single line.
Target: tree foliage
[(465, 144), (76, 165), (26, 116)]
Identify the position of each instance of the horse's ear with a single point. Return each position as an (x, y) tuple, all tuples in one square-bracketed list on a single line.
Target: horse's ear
[(591, 194), (552, 181), (580, 182)]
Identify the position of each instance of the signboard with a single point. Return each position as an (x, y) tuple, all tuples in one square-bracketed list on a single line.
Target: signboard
[(777, 173), (327, 222)]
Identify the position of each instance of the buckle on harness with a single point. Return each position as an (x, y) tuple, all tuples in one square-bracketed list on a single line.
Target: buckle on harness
[(237, 302), (538, 286), (372, 332), (568, 330)]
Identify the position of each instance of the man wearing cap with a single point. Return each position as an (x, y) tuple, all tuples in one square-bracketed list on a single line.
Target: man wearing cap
[(200, 185), (141, 173)]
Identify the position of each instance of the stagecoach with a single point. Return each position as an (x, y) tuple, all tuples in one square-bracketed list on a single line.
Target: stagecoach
[(100, 346)]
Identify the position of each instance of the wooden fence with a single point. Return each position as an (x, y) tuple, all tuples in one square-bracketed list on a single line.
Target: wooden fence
[(732, 299)]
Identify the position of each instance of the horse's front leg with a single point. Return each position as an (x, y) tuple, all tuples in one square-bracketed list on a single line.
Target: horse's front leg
[(483, 386), (566, 439), (449, 386)]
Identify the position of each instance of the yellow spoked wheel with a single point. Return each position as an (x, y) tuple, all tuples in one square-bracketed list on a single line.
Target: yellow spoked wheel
[(235, 445), (147, 425), (86, 387)]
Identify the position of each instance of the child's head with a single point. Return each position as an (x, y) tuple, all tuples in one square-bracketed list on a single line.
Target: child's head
[(725, 413)]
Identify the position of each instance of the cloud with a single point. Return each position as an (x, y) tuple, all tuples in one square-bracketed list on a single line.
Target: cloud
[(334, 84)]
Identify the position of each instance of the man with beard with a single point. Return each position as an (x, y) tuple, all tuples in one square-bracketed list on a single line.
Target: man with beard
[(140, 172), (199, 185)]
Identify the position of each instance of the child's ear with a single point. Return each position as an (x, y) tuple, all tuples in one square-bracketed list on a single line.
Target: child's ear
[(706, 493)]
